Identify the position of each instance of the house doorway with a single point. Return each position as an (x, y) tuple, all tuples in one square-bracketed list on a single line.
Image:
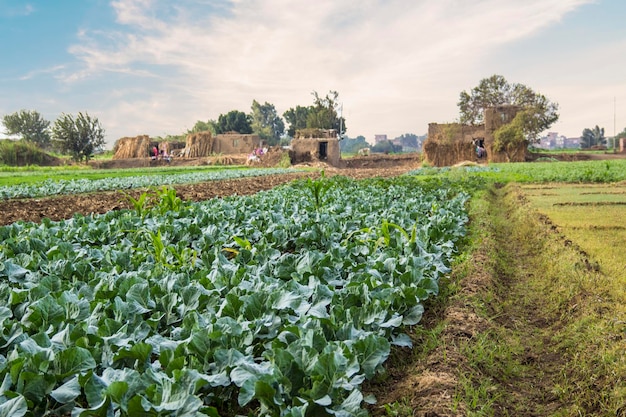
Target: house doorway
[(323, 150)]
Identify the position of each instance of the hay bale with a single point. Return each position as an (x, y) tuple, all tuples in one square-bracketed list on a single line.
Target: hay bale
[(198, 145), (132, 147)]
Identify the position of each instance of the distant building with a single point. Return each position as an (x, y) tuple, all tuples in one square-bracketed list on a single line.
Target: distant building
[(380, 138), (555, 141)]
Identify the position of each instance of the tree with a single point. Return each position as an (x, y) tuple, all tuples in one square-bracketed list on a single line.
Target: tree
[(234, 121), (30, 125), (323, 114), (266, 122), (592, 137), (496, 91), (296, 118), (386, 146), (200, 126), (78, 136), (409, 140), (352, 145), (510, 137)]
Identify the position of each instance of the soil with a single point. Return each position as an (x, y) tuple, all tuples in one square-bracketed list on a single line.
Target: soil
[(65, 206)]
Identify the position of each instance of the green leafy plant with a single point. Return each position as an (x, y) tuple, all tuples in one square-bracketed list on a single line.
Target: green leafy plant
[(146, 312), (318, 189)]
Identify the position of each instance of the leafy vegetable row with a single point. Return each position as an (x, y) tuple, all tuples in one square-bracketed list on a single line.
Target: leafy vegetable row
[(282, 303), (77, 186)]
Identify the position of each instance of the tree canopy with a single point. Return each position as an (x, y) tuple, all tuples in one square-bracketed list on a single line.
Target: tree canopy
[(541, 113), (234, 121), (352, 145), (78, 136), (29, 125), (592, 137), (386, 146), (296, 118), (200, 126), (266, 122), (322, 114)]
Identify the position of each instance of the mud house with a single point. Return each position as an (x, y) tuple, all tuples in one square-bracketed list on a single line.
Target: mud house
[(451, 143), (311, 145)]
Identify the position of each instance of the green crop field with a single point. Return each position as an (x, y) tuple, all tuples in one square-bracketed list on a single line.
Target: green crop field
[(304, 300)]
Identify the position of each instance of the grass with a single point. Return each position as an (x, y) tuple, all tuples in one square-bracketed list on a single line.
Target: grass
[(592, 216), (556, 328)]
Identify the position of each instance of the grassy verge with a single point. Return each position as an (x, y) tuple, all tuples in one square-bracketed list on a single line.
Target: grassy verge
[(526, 326), (554, 339)]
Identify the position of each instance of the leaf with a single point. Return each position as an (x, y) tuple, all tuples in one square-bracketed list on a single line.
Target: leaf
[(67, 392), (325, 400), (136, 409), (351, 406), (402, 340), (15, 407), (414, 315), (116, 390), (73, 361), (372, 352), (286, 300), (14, 272)]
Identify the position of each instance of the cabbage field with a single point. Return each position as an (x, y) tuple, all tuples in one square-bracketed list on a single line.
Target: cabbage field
[(82, 185), (281, 304)]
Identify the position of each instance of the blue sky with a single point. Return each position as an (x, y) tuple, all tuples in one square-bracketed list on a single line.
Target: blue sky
[(156, 66)]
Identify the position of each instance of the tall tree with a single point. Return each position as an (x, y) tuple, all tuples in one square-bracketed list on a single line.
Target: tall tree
[(29, 125), (324, 113), (296, 118), (592, 137), (78, 136), (496, 91), (234, 121), (266, 122)]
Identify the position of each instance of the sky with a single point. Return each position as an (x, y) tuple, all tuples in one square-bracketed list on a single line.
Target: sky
[(156, 67)]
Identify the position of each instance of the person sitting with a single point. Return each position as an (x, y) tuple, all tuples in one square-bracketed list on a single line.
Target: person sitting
[(479, 145)]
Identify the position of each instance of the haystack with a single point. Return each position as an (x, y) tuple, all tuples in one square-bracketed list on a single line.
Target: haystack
[(198, 145), (135, 147)]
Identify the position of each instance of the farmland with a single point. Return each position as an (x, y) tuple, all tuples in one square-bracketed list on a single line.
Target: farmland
[(323, 296)]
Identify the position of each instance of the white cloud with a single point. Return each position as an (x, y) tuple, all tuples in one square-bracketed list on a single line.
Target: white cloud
[(397, 64)]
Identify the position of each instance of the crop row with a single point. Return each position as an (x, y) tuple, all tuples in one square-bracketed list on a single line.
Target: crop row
[(76, 186), (282, 303)]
